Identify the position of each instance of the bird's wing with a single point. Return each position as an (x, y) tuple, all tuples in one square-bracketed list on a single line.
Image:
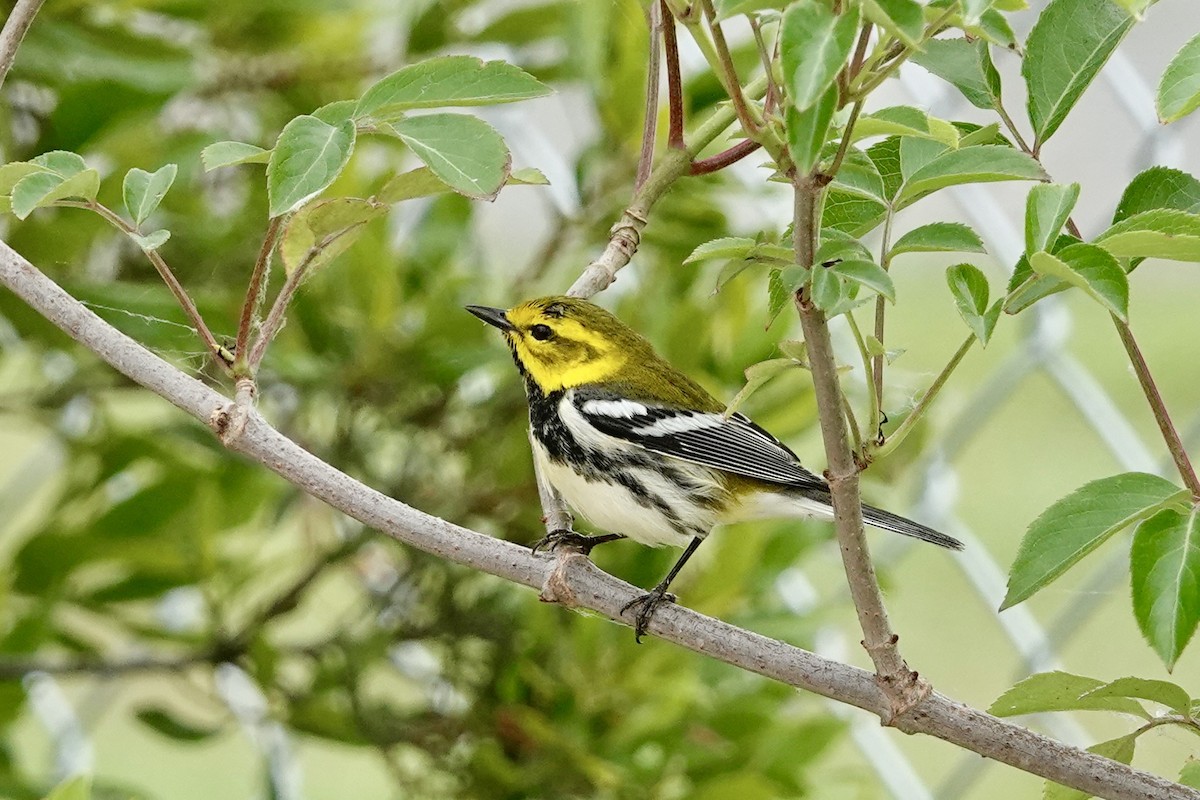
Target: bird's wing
[(732, 443)]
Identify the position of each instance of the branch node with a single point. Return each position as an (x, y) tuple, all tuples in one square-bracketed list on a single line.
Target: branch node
[(229, 421), (557, 588)]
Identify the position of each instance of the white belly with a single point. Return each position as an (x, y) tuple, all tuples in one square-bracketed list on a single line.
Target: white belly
[(615, 509)]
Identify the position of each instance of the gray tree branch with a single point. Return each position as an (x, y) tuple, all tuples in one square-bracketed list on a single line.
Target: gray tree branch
[(572, 580)]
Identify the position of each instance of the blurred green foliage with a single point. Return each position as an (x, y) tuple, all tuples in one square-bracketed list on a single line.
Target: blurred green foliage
[(127, 533)]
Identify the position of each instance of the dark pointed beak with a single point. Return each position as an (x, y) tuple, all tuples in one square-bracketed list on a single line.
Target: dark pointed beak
[(492, 316)]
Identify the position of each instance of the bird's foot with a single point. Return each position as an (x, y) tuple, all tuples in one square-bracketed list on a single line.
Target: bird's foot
[(646, 605), (564, 538)]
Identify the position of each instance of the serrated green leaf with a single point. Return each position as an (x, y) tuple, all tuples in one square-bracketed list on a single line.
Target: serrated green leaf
[(885, 155), (1179, 89), (320, 232), (1161, 233), (61, 162), (1092, 269), (1060, 691), (168, 724), (450, 81), (981, 134), (1135, 7), (224, 154), (463, 151), (1163, 692), (1120, 749), (939, 237), (1025, 287), (779, 294), (39, 189), (151, 241), (978, 164), (965, 65), (915, 153), (826, 289), (859, 175), (1077, 524), (143, 191), (905, 121), (868, 274), (904, 19), (308, 156), (336, 113), (1069, 43), (838, 246), (814, 45), (528, 176), (969, 287), (993, 27), (807, 130), (1158, 187), (12, 172), (1046, 211), (419, 182), (851, 213), (1164, 567)]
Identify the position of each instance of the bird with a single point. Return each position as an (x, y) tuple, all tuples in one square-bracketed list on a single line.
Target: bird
[(643, 451)]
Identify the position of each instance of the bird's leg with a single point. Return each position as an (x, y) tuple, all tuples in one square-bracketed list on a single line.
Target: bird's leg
[(559, 538), (647, 603)]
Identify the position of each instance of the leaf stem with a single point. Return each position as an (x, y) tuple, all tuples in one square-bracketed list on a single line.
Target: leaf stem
[(218, 353), (255, 291), (872, 401), (914, 416), (650, 118), (674, 83), (749, 118), (885, 261)]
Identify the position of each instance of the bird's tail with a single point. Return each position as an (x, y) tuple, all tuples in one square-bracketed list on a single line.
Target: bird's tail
[(898, 524)]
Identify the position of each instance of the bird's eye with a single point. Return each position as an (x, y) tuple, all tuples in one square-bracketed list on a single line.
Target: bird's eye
[(541, 332)]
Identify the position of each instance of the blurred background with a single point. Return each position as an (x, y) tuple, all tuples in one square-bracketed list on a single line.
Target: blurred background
[(199, 628)]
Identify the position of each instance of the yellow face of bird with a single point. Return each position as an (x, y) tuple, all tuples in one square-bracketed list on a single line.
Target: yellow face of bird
[(561, 342)]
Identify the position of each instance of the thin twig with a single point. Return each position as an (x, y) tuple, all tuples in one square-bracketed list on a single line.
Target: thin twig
[(674, 82), (922, 405), (15, 27), (576, 578), (218, 353), (724, 159), (772, 98), (881, 310), (255, 291), (650, 120), (860, 51), (717, 52)]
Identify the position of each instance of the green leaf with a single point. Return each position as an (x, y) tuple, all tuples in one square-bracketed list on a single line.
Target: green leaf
[(905, 121), (814, 45), (757, 375), (1026, 287), (1060, 691), (12, 172), (61, 162), (779, 294), (78, 787), (40, 189), (1164, 567), (978, 164), (731, 8), (224, 154), (851, 213), (971, 135), (1190, 774), (1161, 233), (726, 247), (143, 191), (1092, 269), (1069, 43), (1135, 7), (808, 129), (169, 725), (1179, 90), (1157, 187), (308, 156), (939, 237), (859, 175), (904, 19), (463, 151), (965, 65), (1163, 692), (151, 241), (528, 176), (969, 286), (885, 155), (450, 81), (1046, 211), (868, 274), (322, 231), (336, 113), (1120, 749), (419, 182), (826, 289), (1077, 524)]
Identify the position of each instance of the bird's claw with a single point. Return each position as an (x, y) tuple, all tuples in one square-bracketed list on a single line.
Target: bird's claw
[(646, 605)]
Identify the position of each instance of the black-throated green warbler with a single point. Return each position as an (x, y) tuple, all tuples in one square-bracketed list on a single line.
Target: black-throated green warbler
[(643, 451)]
